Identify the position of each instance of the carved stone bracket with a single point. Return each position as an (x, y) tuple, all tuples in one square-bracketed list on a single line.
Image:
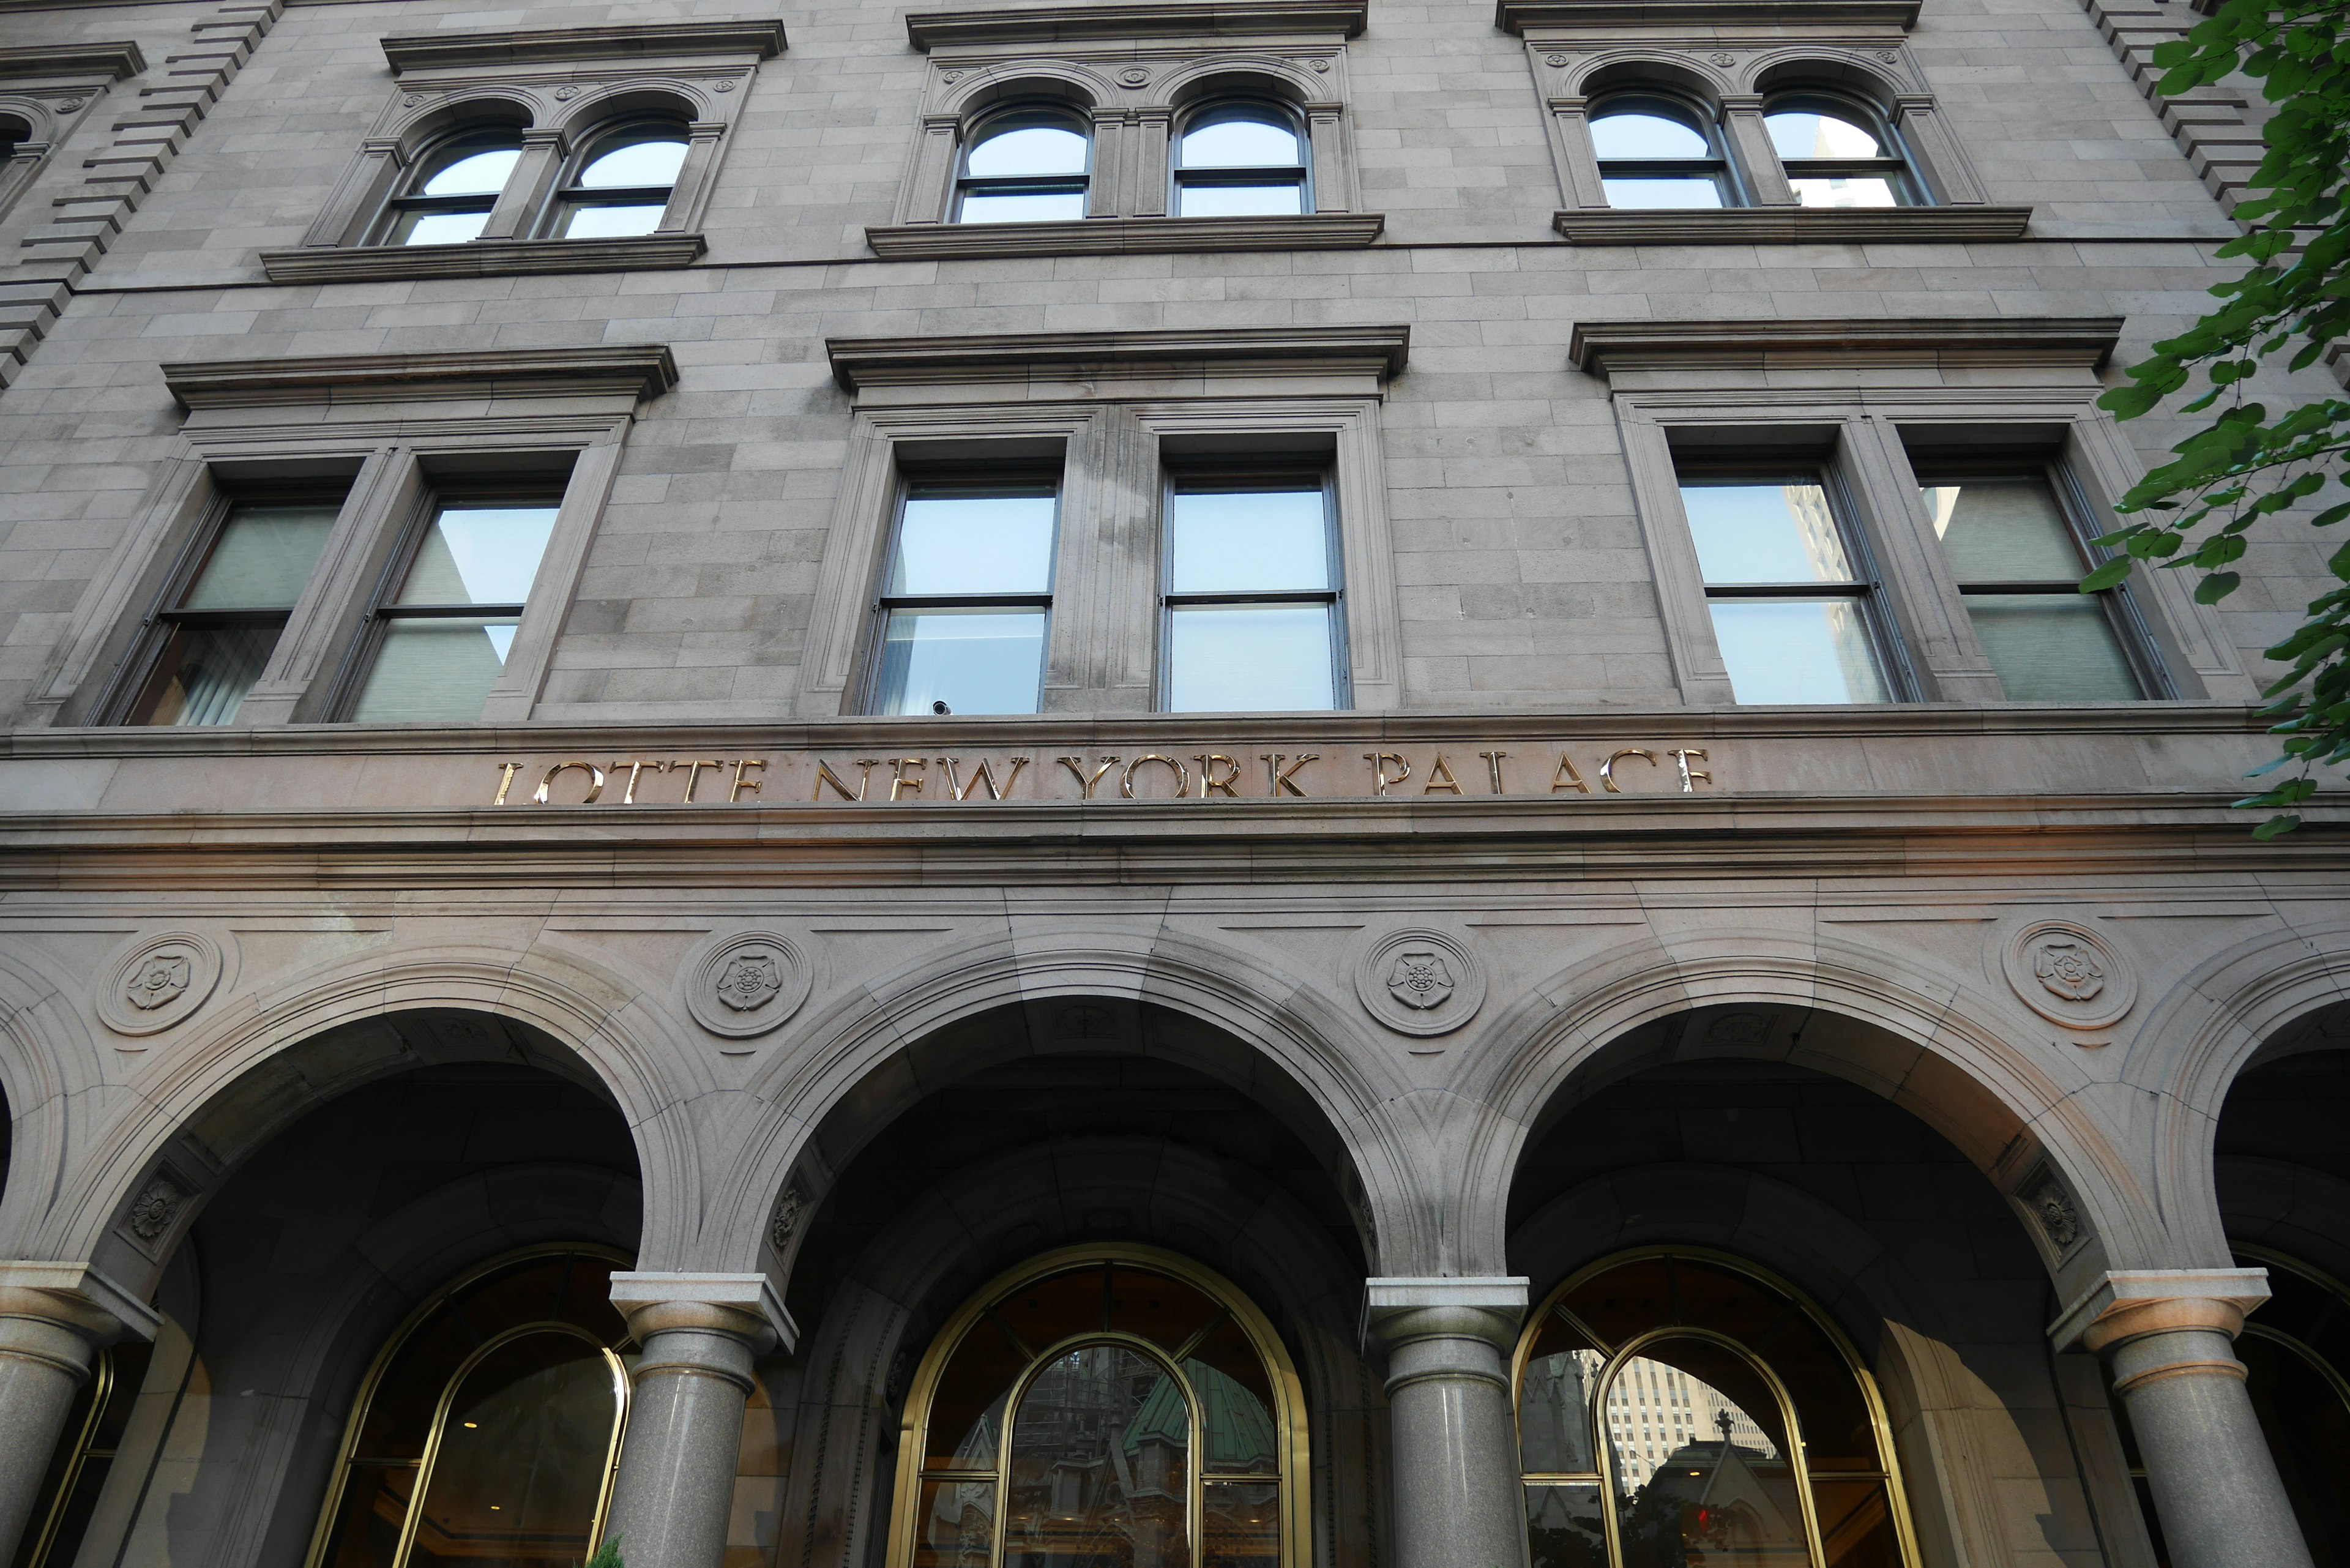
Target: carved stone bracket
[(1420, 983), (2068, 974), (159, 982), (748, 983)]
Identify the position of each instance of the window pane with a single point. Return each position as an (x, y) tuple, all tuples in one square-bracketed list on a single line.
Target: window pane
[(1681, 192), (2052, 648), (1052, 1310), (1554, 1405), (434, 671), (1243, 1524), (975, 661), (1020, 149), (1235, 1403), (1838, 1433), (1855, 1523), (1748, 533), (956, 1527), (652, 161), (263, 558), (2308, 1430), (473, 174), (1167, 1311), (1859, 191), (1249, 541), (1727, 1494), (611, 223), (1240, 200), (1797, 651), (1808, 133), (1635, 135), (479, 555), (368, 1518), (1241, 138), (1564, 1528), (439, 228), (205, 671), (1100, 1464), (1016, 207), (1250, 658), (975, 542), (2003, 531), (522, 1459)]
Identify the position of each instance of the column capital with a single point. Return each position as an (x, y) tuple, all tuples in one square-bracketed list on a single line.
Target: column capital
[(2132, 1304), (1400, 1308), (739, 1307), (63, 1314)]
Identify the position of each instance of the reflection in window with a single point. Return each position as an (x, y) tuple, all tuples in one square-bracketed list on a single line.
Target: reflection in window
[(2018, 561), (440, 643), (454, 187), (488, 1430), (1251, 596), (1676, 1411), (1104, 1410), (1835, 154), (84, 1455), (1025, 167), (220, 626), (1236, 160), (620, 185), (1791, 604), (964, 600), (1658, 152)]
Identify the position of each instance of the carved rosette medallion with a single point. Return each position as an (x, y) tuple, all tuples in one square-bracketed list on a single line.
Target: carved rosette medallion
[(1135, 76), (2069, 974), (155, 1208), (158, 982), (747, 983), (1420, 983), (2053, 1210), (785, 1223)]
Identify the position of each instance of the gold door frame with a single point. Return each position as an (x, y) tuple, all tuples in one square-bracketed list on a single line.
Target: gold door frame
[(101, 1389)]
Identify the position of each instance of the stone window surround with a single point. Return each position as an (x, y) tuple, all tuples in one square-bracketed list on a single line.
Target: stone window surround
[(49, 88), (1110, 407), (559, 86), (1729, 55), (1844, 393), (394, 423), (1131, 70)]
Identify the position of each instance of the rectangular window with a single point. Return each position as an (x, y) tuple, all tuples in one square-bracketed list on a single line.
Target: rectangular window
[(1251, 596), (227, 607), (965, 595), (436, 639), (2019, 554), (1789, 589)]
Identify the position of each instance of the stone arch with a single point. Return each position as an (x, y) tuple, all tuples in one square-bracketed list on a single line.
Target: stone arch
[(1629, 69), (1846, 71), (473, 110), (46, 1052), (1269, 1030), (619, 101), (1044, 81), (1254, 77)]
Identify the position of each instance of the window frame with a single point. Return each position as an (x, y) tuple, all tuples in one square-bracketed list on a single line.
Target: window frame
[(406, 196), (1700, 117), (568, 196), (988, 125), (1897, 168), (1179, 178), (1173, 473)]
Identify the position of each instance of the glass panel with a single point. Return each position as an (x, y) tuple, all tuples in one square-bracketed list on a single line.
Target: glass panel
[(522, 1459), (2052, 648), (1250, 658), (400, 1417), (263, 558), (1838, 1434), (1240, 200), (529, 1295), (607, 223), (1162, 1310), (1241, 1524), (1855, 1524), (974, 661), (477, 173), (2302, 1307), (654, 161), (1014, 150), (2003, 531), (1564, 1527), (1555, 1407), (966, 1421), (479, 555), (368, 1518), (1629, 1299), (205, 671), (1235, 1403), (2308, 1430), (975, 542), (1846, 190), (1810, 133), (1748, 533), (956, 1526), (436, 669), (1272, 540), (1797, 651), (1241, 138), (1733, 1303), (1056, 1309), (1691, 190), (1017, 207), (1100, 1465), (1632, 134), (439, 228), (1700, 1462)]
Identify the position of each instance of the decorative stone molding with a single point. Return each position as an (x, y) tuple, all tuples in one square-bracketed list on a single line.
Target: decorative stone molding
[(1127, 236), (159, 983), (784, 1222), (1420, 983), (623, 41), (862, 363), (2132, 1304), (643, 371), (747, 984), (1793, 225), (1125, 19), (106, 61), (1604, 348), (2054, 1211), (740, 1307), (1522, 17), (1398, 1310), (484, 259), (2069, 974)]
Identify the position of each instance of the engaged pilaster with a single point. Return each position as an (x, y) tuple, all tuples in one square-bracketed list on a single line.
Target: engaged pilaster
[(2169, 1335), (1452, 1438), (54, 1320), (700, 1333)]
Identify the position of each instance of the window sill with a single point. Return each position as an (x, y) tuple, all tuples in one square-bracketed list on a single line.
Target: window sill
[(1793, 225), (481, 258), (1125, 237)]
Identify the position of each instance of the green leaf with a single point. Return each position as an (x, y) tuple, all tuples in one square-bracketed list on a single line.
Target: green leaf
[(2276, 827), (2106, 576), (2215, 587)]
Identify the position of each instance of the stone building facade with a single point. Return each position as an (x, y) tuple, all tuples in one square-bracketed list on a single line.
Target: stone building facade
[(883, 788)]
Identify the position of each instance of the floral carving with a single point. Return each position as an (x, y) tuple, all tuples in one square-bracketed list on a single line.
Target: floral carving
[(157, 982), (785, 1222), (1135, 76), (2066, 971), (1421, 979), (747, 983), (153, 1212), (158, 978), (1420, 982), (2053, 1208), (749, 980), (2067, 968)]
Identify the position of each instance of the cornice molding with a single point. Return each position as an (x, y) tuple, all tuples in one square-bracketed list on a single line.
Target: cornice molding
[(1179, 18), (1604, 348), (1125, 237), (481, 258), (1794, 225), (112, 61), (537, 45), (859, 363), (1523, 17), (645, 370)]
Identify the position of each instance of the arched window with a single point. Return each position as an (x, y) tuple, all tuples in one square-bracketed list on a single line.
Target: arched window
[(1837, 153), (1026, 166), (488, 1429), (1104, 1406), (1675, 1403), (618, 182), (1244, 159), (1657, 152), (451, 190)]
